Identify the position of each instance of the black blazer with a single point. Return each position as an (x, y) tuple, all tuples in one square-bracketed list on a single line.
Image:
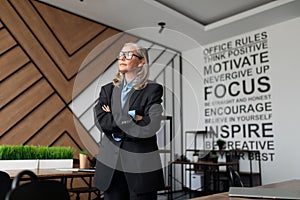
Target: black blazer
[(137, 153)]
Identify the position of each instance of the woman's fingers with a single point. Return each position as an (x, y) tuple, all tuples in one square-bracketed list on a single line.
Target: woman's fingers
[(106, 108), (138, 117)]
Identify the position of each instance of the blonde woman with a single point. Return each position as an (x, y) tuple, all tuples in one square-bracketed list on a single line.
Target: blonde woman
[(129, 113)]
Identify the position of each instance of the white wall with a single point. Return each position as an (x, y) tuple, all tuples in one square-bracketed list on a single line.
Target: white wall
[(283, 54)]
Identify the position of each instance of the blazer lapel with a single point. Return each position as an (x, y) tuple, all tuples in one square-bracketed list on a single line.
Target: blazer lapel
[(133, 96), (116, 99)]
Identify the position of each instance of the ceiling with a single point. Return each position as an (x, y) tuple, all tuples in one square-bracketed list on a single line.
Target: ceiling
[(189, 23), (210, 11)]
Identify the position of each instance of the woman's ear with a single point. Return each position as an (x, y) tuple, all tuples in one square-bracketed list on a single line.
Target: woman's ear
[(142, 62)]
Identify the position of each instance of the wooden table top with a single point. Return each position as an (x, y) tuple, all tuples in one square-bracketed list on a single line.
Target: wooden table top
[(54, 173), (209, 163)]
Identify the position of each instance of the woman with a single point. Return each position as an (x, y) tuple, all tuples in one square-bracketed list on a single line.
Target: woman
[(129, 113)]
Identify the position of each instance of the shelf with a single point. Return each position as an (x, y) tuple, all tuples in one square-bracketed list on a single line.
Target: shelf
[(197, 132)]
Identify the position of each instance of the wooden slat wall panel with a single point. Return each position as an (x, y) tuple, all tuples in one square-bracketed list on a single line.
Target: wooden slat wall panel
[(24, 104), (66, 140), (58, 126), (74, 65), (6, 41), (49, 68), (18, 82), (44, 51), (65, 26), (54, 48), (31, 125), (12, 61), (35, 50)]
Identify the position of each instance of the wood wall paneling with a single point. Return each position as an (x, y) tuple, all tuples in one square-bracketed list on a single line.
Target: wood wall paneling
[(59, 125), (29, 127), (24, 104), (18, 83), (12, 61), (44, 51), (6, 41), (72, 31)]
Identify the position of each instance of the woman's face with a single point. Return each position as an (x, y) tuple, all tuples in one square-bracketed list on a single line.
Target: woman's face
[(129, 65)]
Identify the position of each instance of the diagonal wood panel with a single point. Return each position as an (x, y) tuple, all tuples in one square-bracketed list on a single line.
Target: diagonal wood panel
[(23, 105), (18, 83), (54, 70), (12, 61), (31, 125), (72, 31), (59, 125), (6, 41), (48, 57)]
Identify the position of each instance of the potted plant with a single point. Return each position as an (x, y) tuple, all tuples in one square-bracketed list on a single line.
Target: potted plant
[(214, 158), (18, 157), (35, 157), (83, 159), (55, 157), (195, 156), (221, 144)]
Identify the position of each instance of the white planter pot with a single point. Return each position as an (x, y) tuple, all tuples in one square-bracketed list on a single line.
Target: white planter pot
[(18, 164), (36, 164), (56, 164)]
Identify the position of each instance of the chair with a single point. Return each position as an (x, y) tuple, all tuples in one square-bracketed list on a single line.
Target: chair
[(234, 178), (5, 184), (36, 189), (88, 189), (167, 190)]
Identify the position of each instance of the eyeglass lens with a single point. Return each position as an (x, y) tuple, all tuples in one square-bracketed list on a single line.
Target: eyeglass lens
[(127, 54)]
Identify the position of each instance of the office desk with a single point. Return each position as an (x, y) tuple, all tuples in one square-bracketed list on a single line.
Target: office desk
[(206, 167), (63, 175), (54, 174), (291, 185)]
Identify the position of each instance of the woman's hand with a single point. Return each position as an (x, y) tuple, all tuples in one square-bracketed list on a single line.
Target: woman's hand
[(138, 117), (105, 108)]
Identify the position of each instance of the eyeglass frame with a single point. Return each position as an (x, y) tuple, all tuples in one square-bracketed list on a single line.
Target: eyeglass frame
[(127, 56)]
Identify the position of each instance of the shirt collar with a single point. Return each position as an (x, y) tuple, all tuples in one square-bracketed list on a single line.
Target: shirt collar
[(128, 85)]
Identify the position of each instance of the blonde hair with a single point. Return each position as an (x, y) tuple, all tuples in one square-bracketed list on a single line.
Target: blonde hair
[(141, 80)]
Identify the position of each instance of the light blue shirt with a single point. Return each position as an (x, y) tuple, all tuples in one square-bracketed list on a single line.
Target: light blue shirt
[(125, 91), (124, 96)]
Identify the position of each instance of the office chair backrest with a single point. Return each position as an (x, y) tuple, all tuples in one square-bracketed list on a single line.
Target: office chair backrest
[(37, 189), (5, 184), (234, 178), (18, 178)]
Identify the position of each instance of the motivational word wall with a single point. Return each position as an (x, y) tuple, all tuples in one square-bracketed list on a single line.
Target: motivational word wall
[(238, 94)]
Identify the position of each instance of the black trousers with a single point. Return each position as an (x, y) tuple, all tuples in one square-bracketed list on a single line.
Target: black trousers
[(119, 190)]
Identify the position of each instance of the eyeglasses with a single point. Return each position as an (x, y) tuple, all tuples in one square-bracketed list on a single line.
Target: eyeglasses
[(128, 55)]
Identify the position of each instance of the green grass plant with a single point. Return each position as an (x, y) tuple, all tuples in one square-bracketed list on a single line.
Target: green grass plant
[(21, 152), (84, 152)]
